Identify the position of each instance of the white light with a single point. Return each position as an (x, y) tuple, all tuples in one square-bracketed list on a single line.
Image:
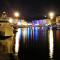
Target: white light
[(10, 20), (29, 23), (17, 41), (19, 23), (24, 23), (51, 43), (51, 15), (16, 14), (46, 24), (36, 24), (24, 34)]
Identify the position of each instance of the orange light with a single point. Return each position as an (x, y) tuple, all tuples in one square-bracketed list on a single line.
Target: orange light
[(16, 14), (10, 20)]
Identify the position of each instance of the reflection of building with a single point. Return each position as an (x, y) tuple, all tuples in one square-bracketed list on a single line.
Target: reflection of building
[(6, 35)]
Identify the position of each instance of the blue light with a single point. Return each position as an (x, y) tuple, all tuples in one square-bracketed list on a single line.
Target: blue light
[(35, 22), (29, 34), (20, 34), (35, 34)]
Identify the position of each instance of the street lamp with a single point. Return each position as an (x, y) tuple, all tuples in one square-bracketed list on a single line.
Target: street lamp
[(51, 15), (10, 20), (16, 14)]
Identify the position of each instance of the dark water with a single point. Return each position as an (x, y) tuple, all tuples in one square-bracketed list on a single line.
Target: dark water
[(39, 44)]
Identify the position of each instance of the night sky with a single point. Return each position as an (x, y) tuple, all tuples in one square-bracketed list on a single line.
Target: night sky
[(30, 8)]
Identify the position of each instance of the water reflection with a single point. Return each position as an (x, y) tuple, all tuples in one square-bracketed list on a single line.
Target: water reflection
[(35, 34), (29, 36), (51, 44), (17, 40), (24, 35), (24, 32), (35, 40)]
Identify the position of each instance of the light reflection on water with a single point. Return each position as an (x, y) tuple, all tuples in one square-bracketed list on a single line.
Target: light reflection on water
[(24, 32), (36, 36), (51, 44), (17, 40)]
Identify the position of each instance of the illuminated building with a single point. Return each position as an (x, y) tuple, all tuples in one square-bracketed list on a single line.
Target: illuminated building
[(58, 22), (39, 22), (6, 35)]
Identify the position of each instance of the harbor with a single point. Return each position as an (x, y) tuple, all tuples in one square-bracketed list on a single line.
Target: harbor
[(20, 39)]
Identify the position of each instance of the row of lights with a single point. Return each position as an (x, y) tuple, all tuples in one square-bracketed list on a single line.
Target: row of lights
[(16, 15)]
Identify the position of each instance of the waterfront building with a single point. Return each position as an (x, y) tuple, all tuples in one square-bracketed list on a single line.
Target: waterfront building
[(58, 20), (6, 35)]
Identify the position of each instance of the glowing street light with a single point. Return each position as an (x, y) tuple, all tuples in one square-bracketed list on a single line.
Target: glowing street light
[(10, 20), (16, 14), (51, 15)]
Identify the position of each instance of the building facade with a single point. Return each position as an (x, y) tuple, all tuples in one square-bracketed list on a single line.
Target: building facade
[(6, 36)]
